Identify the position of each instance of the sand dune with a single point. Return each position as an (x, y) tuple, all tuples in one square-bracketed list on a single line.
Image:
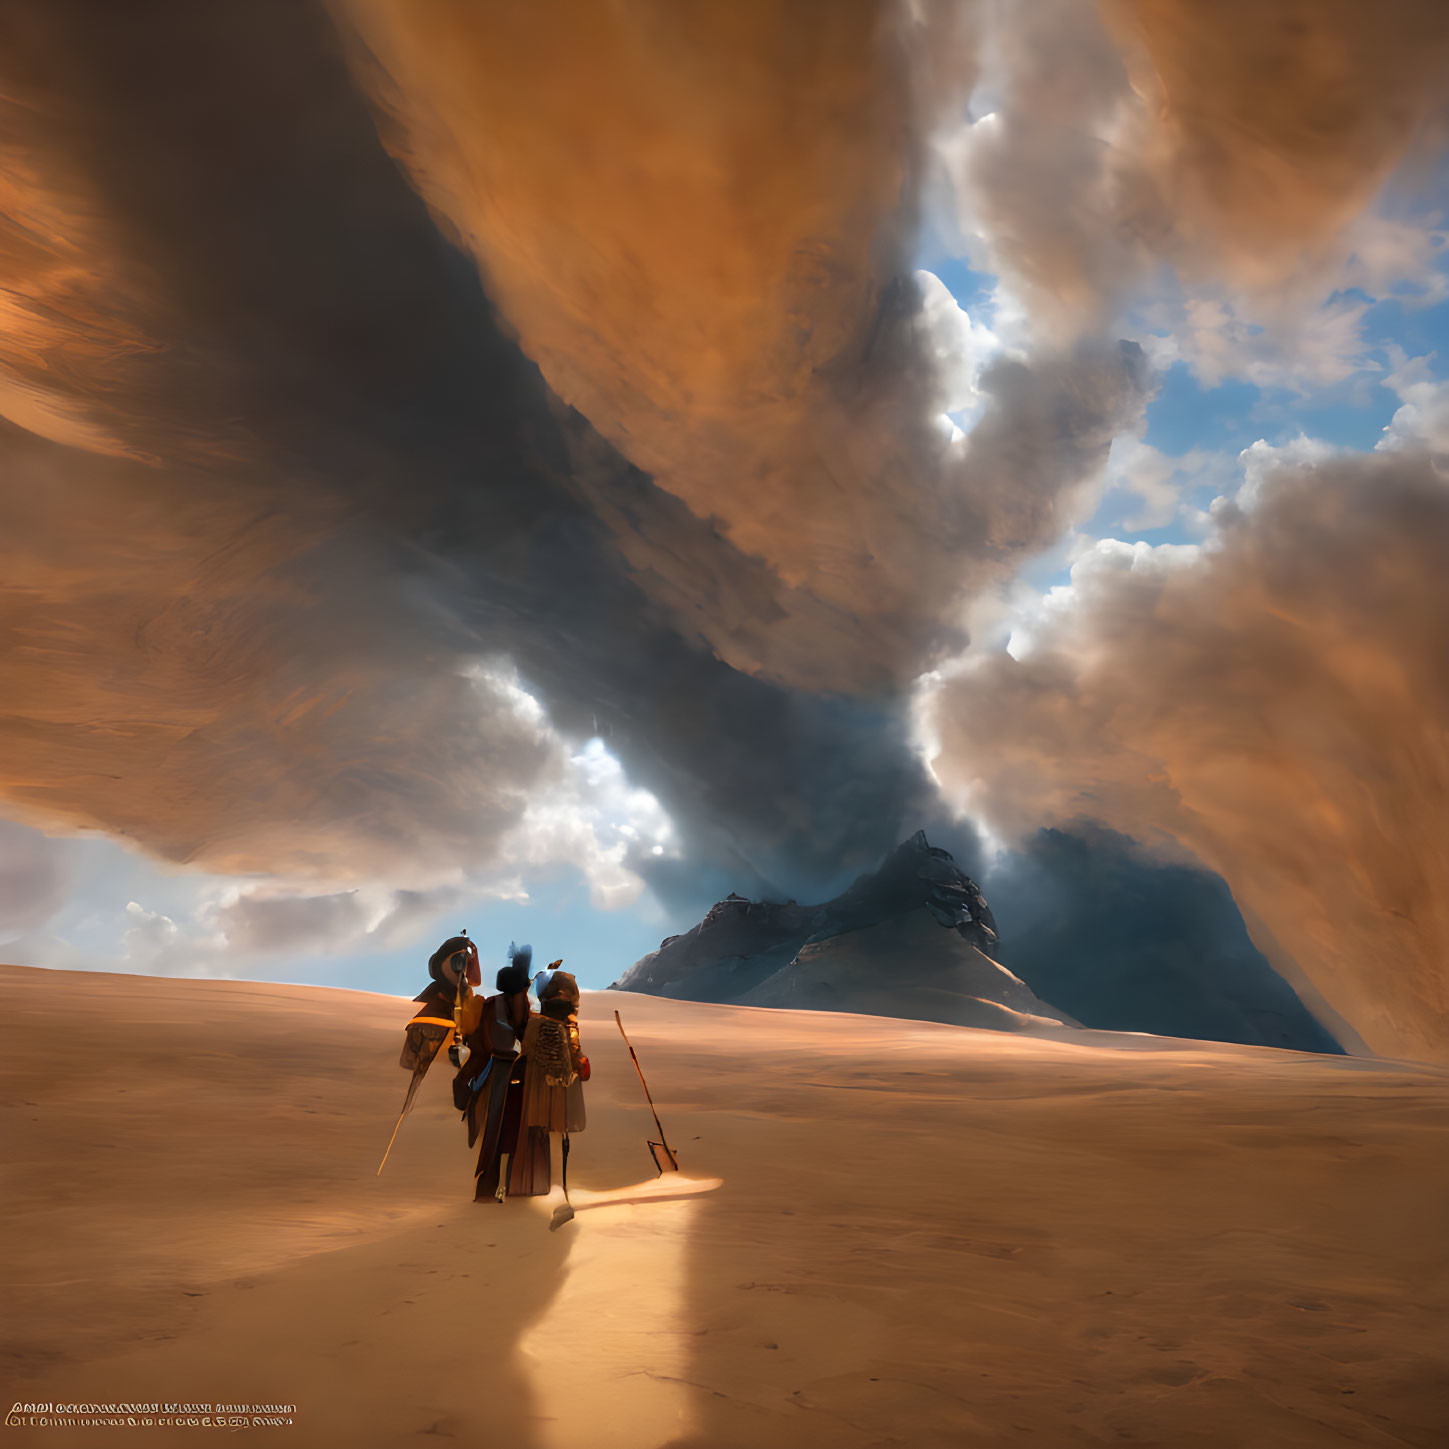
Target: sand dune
[(886, 1233)]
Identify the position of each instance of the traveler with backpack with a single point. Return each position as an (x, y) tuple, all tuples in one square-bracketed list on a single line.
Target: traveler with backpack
[(553, 1093)]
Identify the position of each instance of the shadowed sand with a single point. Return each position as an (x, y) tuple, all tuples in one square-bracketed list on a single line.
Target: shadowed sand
[(885, 1233)]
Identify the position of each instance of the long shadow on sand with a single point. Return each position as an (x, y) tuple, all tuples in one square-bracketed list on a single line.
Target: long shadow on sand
[(200, 1221)]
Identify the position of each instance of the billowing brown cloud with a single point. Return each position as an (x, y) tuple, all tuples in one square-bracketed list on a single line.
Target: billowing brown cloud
[(1233, 143), (1275, 704), (67, 329), (1273, 122), (200, 672), (698, 218), (281, 478), (200, 648), (276, 480)]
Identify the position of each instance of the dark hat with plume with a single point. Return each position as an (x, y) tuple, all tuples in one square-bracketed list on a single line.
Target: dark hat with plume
[(514, 978)]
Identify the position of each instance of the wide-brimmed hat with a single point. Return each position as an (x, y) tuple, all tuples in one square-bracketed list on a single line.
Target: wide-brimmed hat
[(450, 948)]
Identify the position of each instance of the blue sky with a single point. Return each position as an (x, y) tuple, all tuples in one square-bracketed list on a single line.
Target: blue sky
[(557, 919)]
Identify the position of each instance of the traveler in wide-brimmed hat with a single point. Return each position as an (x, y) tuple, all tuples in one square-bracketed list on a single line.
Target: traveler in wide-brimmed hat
[(448, 997), (454, 961)]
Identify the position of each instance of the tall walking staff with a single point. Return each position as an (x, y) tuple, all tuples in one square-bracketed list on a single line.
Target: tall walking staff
[(662, 1145), (418, 1073)]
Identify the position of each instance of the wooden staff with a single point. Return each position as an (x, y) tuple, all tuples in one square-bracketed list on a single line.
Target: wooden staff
[(662, 1144)]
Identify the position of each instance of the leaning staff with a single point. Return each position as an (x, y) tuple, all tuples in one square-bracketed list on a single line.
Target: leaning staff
[(662, 1144)]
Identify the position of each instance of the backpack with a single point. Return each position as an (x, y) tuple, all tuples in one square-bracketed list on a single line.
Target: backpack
[(552, 1052)]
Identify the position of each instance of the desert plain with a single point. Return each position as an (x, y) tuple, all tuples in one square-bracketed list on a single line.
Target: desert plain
[(883, 1233)]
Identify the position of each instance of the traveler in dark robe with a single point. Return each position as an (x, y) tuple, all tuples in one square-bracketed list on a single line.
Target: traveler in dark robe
[(490, 1083)]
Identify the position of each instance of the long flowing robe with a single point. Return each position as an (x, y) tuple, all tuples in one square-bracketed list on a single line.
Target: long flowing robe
[(544, 1108), (488, 1085)]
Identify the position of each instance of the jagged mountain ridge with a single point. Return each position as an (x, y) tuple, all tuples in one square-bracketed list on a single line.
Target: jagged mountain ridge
[(913, 938), (1165, 950)]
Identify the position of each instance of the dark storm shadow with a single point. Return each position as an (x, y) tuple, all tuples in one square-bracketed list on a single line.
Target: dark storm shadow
[(1124, 943), (318, 308)]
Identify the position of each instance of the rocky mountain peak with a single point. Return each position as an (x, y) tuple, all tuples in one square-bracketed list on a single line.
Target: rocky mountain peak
[(741, 943)]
